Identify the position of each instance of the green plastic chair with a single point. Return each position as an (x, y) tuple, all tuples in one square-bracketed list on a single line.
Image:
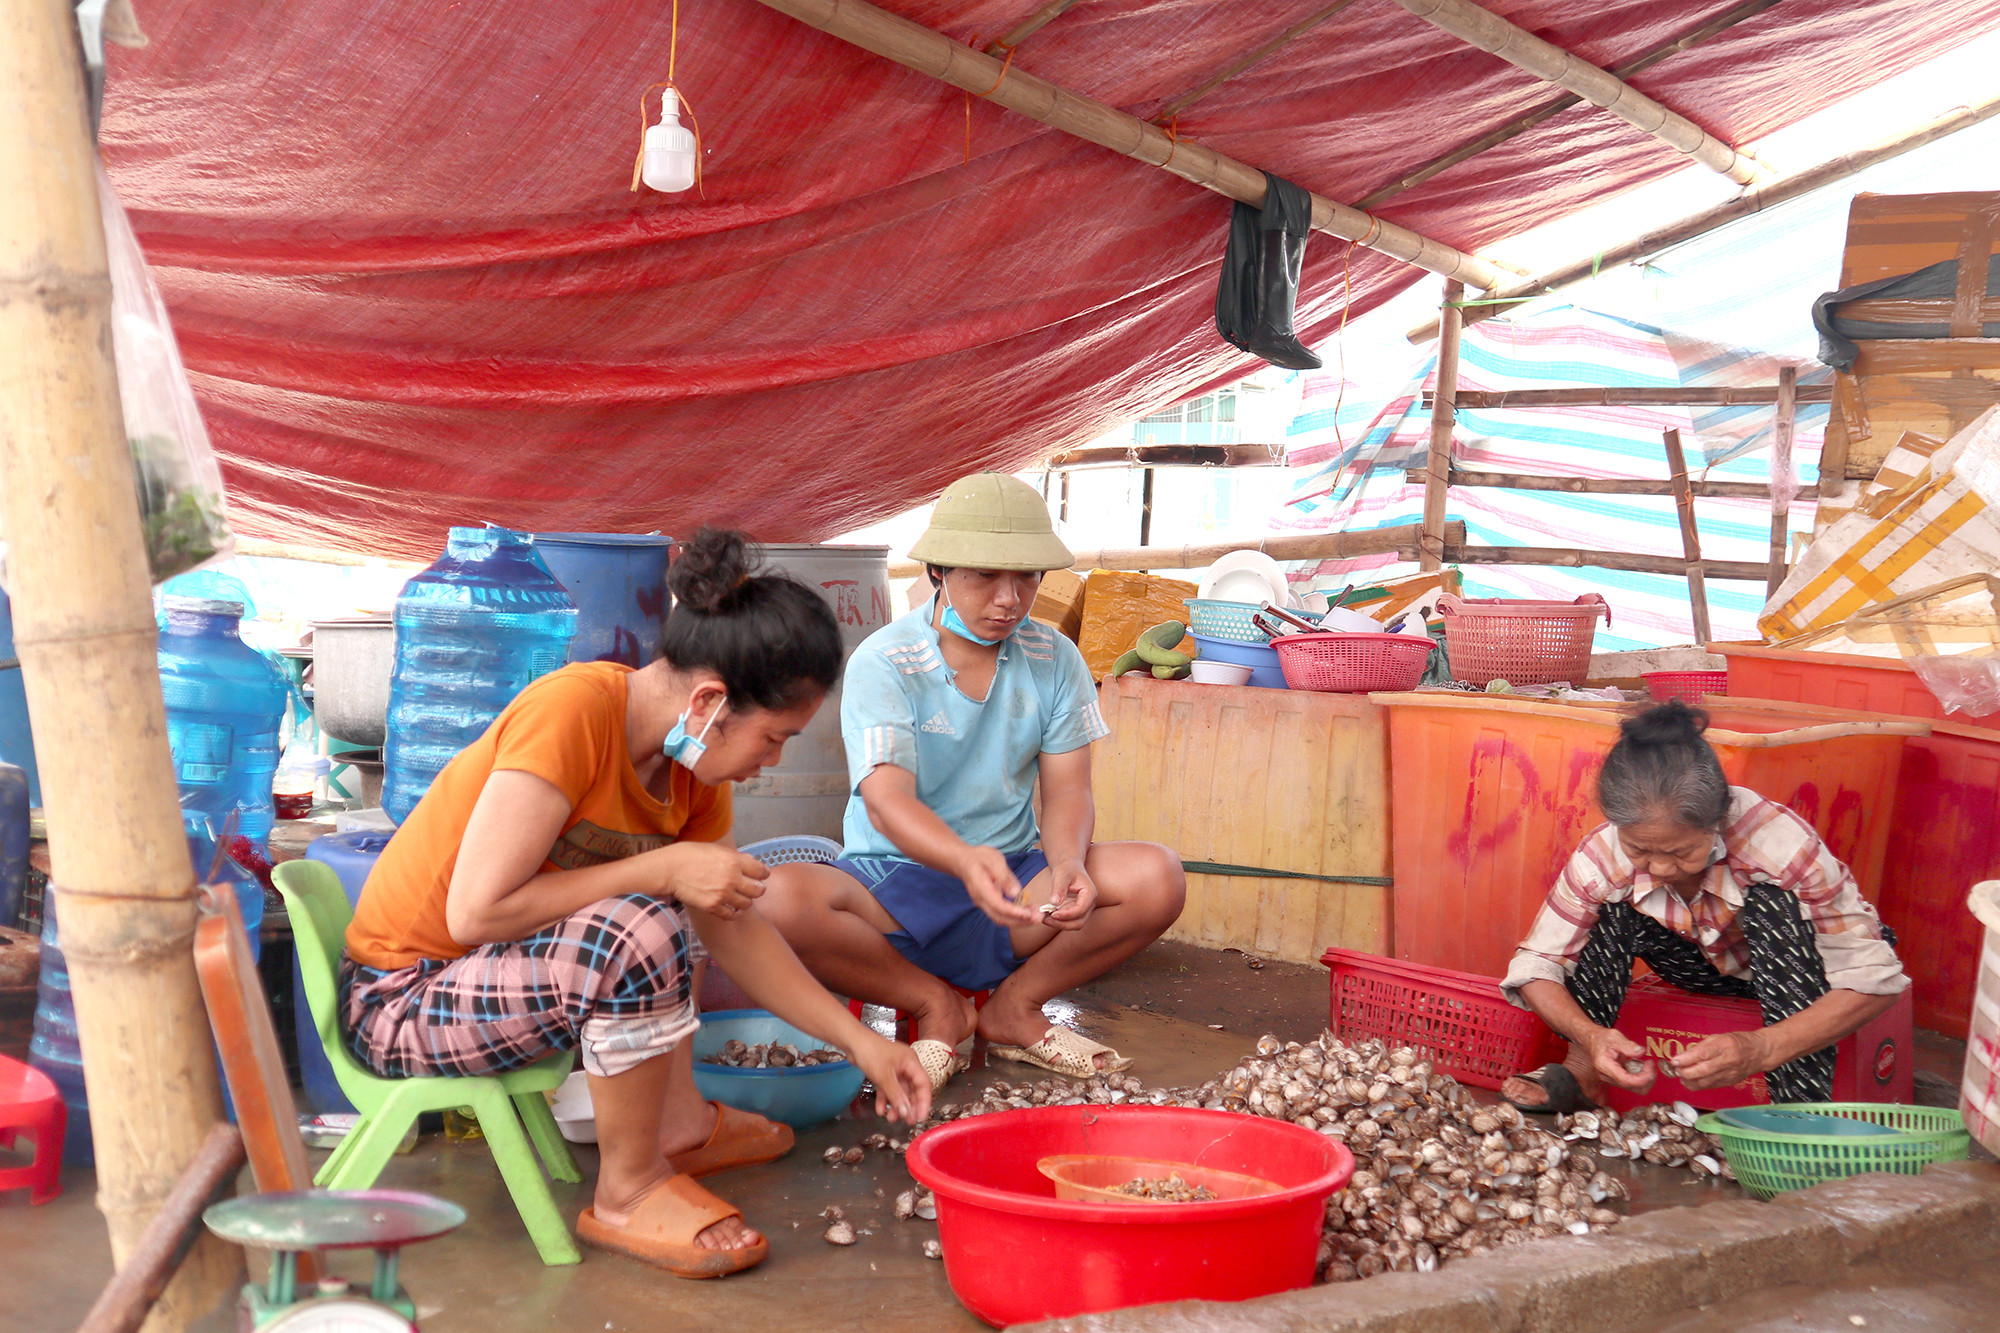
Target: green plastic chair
[(389, 1106)]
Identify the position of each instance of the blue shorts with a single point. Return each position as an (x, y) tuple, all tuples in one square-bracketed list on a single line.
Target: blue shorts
[(943, 930)]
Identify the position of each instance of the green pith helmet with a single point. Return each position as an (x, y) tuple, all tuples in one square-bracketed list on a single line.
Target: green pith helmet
[(991, 521)]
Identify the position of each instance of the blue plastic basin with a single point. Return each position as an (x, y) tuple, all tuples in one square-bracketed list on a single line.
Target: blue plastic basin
[(1260, 658), (801, 1097)]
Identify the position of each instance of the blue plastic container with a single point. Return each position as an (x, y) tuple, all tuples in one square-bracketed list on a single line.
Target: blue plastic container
[(17, 740), (802, 1096), (225, 704), (352, 856), (618, 581), (1262, 659), (14, 841), (53, 1047), (471, 632)]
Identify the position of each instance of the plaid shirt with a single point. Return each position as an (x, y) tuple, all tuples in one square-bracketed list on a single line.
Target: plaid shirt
[(1763, 843)]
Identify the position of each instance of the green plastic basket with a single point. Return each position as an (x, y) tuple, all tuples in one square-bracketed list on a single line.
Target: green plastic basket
[(1768, 1164)]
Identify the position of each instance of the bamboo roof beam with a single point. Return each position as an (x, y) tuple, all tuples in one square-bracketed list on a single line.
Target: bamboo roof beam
[(1741, 395), (916, 47), (1250, 58), (1551, 64), (1685, 41), (1754, 200)]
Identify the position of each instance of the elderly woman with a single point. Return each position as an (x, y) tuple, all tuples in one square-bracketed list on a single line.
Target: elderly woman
[(1721, 892)]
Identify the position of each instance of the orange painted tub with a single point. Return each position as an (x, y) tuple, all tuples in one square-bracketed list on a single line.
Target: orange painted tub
[(1836, 680), (1492, 794)]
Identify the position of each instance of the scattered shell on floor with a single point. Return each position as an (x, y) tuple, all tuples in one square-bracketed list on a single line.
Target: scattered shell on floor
[(833, 1156), (877, 1142), (933, 1248), (773, 1055), (833, 1212), (840, 1233), (906, 1205), (1437, 1176), (852, 1156)]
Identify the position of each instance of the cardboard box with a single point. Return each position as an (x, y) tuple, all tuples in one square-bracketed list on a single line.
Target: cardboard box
[(1875, 1064)]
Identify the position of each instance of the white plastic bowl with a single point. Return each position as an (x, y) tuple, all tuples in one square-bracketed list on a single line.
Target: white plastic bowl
[(1343, 621), (1220, 673)]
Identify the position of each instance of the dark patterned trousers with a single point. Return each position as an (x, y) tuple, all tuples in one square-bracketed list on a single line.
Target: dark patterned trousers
[(1786, 974)]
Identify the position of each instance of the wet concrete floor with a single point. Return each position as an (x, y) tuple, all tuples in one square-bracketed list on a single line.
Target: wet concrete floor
[(1182, 1012)]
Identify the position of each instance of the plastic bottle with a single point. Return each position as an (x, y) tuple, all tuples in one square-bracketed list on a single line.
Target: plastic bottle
[(471, 632), (225, 704), (14, 840)]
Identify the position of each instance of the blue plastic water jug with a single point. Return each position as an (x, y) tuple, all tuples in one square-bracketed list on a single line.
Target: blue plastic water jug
[(471, 632), (618, 581), (225, 703), (53, 1047), (352, 856)]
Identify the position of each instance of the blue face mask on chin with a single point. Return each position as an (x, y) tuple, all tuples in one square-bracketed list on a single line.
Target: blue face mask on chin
[(954, 622), (684, 749)]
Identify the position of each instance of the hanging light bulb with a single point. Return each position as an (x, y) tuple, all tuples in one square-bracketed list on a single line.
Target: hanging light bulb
[(670, 149)]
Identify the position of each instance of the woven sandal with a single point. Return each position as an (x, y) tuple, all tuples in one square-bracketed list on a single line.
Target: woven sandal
[(1061, 1051), (940, 1061), (662, 1231)]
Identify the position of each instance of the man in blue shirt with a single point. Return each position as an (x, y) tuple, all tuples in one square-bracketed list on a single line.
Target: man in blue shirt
[(951, 715)]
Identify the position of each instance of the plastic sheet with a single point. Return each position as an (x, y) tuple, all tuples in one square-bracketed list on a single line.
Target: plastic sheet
[(413, 289)]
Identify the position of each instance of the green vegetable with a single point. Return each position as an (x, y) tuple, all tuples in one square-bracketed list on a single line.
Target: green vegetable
[(183, 524)]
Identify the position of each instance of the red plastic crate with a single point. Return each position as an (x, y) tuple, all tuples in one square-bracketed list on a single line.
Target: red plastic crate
[(1687, 686), (1875, 1064), (1459, 1019)]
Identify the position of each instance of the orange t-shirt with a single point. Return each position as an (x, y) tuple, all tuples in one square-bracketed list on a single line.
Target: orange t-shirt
[(567, 728)]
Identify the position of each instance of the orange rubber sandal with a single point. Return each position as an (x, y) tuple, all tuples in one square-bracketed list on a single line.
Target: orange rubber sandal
[(662, 1230), (740, 1138)]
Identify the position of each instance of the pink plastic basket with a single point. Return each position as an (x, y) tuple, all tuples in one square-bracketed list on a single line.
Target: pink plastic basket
[(1352, 663), (1687, 686), (1520, 642), (1461, 1021)]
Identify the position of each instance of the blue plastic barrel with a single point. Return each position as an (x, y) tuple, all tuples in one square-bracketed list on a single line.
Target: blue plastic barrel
[(225, 704), (17, 741), (53, 1047), (471, 632), (14, 840), (618, 581), (352, 856)]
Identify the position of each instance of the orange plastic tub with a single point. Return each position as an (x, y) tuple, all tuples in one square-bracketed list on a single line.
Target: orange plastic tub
[(1492, 795), (1836, 680)]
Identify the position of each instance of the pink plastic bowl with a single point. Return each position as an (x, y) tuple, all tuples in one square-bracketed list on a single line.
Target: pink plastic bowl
[(1015, 1253)]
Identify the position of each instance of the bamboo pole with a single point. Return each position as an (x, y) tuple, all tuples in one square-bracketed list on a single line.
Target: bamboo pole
[(1028, 27), (1399, 541), (1145, 506), (1697, 574), (1565, 557), (1257, 55), (1685, 41), (1551, 64), (83, 625), (1781, 461), (1754, 200), (1753, 395), (1520, 481), (919, 48), (1437, 460)]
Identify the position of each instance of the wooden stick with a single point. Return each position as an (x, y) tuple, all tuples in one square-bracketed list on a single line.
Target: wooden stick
[(1437, 459), (1515, 481), (125, 1301), (1029, 26), (120, 877), (1550, 63), (318, 555), (1754, 200), (1687, 40), (917, 47), (1781, 459), (1697, 574), (1565, 557), (1145, 506), (1167, 455), (1631, 396), (1400, 541), (1246, 61)]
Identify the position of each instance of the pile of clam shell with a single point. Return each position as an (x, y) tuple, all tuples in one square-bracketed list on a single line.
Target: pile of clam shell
[(774, 1055), (1438, 1174)]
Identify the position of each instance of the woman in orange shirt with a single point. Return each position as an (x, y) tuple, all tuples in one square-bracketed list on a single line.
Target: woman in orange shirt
[(559, 881)]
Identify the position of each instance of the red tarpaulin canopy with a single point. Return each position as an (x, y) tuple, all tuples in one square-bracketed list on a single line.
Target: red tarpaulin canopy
[(413, 290)]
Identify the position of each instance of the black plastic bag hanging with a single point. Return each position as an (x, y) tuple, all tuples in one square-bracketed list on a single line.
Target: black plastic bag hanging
[(1259, 290)]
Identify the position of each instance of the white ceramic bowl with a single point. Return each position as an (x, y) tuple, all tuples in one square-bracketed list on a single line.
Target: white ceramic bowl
[(1343, 621), (1220, 673)]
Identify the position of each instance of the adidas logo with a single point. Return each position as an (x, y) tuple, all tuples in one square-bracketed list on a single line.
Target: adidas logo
[(939, 725)]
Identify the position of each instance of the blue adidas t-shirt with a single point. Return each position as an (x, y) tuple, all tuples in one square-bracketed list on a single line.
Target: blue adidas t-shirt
[(975, 762)]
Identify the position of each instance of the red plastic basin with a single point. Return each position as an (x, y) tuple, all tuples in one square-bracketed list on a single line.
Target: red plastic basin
[(1015, 1253)]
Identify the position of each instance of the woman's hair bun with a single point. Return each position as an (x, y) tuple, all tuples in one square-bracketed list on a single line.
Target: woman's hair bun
[(1670, 723), (709, 568)]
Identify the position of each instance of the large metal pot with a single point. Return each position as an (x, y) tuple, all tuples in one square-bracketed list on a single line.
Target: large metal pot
[(352, 661)]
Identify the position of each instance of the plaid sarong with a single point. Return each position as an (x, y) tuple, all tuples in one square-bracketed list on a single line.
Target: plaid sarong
[(615, 979)]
